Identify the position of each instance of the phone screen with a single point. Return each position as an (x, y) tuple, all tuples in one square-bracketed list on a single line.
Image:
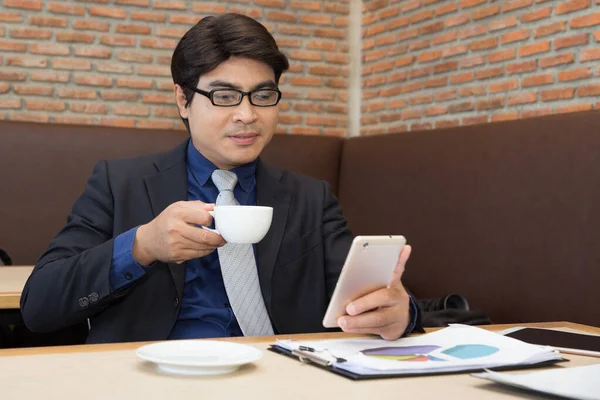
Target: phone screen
[(548, 337)]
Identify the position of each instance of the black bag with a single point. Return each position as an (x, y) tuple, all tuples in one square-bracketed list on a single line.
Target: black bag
[(451, 309)]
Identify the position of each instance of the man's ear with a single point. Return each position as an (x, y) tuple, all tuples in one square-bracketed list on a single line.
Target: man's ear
[(181, 101)]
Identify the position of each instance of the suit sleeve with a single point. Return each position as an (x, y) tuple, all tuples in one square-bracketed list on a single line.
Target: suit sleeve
[(71, 280)]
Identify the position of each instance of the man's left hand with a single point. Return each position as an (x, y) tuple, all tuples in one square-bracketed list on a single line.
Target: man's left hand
[(384, 312)]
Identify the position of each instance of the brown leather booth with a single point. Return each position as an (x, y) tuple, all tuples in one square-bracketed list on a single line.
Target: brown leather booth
[(506, 214)]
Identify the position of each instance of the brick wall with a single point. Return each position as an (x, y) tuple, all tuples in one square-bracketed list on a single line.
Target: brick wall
[(432, 63), (106, 62)]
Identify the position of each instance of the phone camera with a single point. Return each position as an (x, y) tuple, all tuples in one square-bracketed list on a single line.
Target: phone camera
[(365, 245)]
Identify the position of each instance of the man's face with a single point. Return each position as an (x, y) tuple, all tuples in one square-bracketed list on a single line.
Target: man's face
[(231, 136)]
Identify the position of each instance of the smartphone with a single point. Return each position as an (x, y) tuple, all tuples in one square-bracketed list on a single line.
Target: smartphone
[(568, 342), (368, 267)]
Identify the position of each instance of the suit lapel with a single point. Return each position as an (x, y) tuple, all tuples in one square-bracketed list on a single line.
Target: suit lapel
[(167, 186), (270, 192)]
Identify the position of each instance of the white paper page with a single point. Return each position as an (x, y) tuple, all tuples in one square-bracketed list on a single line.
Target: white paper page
[(455, 348), (576, 383)]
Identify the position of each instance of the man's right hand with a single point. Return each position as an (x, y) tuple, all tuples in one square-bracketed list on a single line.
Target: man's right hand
[(174, 237)]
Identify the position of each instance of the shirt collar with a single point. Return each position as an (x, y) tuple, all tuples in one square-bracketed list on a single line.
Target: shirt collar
[(202, 169)]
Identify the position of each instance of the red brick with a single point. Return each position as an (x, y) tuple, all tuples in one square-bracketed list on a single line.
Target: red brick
[(13, 46), (435, 110), (316, 19), (155, 124), (297, 30), (410, 5), (446, 9), (70, 93), (473, 31), (62, 8), (133, 29), (29, 33), (379, 41), (410, 114), (107, 12), (134, 83), (457, 20), (502, 55), (550, 29), (475, 120), (139, 111), (461, 107), (504, 23), (397, 103), (45, 105), (29, 117), (172, 32), (570, 41), (408, 34), (327, 32), (91, 25), (421, 126), (484, 44), (511, 5), (454, 50), (93, 80), (149, 16), (411, 87), (422, 16), (397, 76), (114, 68), (55, 22), (50, 76), (471, 3), (571, 6), (435, 82), (49, 49), (336, 58), (472, 61), (119, 95), (184, 19), (446, 124), (270, 3), (93, 52), (304, 5), (537, 80), (397, 23), (89, 108), (74, 37), (281, 16), (585, 21), (504, 86), (209, 8), (537, 15), (575, 74), (589, 55), (35, 5), (305, 55), (384, 14), (515, 36), (420, 72), (429, 56), (489, 73), (485, 12), (445, 38), (154, 70), (71, 64), (10, 17), (558, 94), (462, 78), (157, 98), (159, 43), (468, 91), (418, 45), (326, 45), (490, 104), (10, 103), (33, 90), (507, 116), (338, 83), (589, 90), (557, 60), (72, 119), (27, 62), (120, 41), (431, 28), (118, 122), (445, 67), (139, 3), (303, 130), (574, 108), (169, 5), (534, 48)]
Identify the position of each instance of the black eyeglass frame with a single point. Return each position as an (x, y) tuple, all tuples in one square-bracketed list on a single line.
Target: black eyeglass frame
[(249, 94)]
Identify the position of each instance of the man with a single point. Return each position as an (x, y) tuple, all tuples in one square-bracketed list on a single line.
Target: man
[(132, 258)]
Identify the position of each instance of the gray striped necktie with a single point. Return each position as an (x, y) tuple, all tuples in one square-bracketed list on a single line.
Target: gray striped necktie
[(238, 267)]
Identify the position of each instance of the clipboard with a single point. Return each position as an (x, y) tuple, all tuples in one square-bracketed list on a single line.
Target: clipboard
[(309, 356)]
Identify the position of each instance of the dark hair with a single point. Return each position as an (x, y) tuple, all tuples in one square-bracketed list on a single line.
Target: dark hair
[(213, 40)]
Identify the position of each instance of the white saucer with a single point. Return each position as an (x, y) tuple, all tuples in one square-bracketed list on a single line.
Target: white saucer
[(198, 357)]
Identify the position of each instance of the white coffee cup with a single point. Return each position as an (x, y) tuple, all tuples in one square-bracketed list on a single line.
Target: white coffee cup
[(242, 224)]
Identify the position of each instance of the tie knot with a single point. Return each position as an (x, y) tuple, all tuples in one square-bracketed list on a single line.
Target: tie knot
[(224, 180)]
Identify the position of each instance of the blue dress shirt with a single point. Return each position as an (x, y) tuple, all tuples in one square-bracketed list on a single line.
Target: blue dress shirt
[(205, 309)]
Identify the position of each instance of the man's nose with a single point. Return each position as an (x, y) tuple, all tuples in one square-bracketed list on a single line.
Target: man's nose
[(245, 111)]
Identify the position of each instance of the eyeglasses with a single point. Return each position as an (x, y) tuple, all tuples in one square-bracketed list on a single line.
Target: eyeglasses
[(233, 97)]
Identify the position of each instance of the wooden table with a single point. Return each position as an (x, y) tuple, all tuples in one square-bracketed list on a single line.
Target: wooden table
[(112, 371), (12, 281)]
